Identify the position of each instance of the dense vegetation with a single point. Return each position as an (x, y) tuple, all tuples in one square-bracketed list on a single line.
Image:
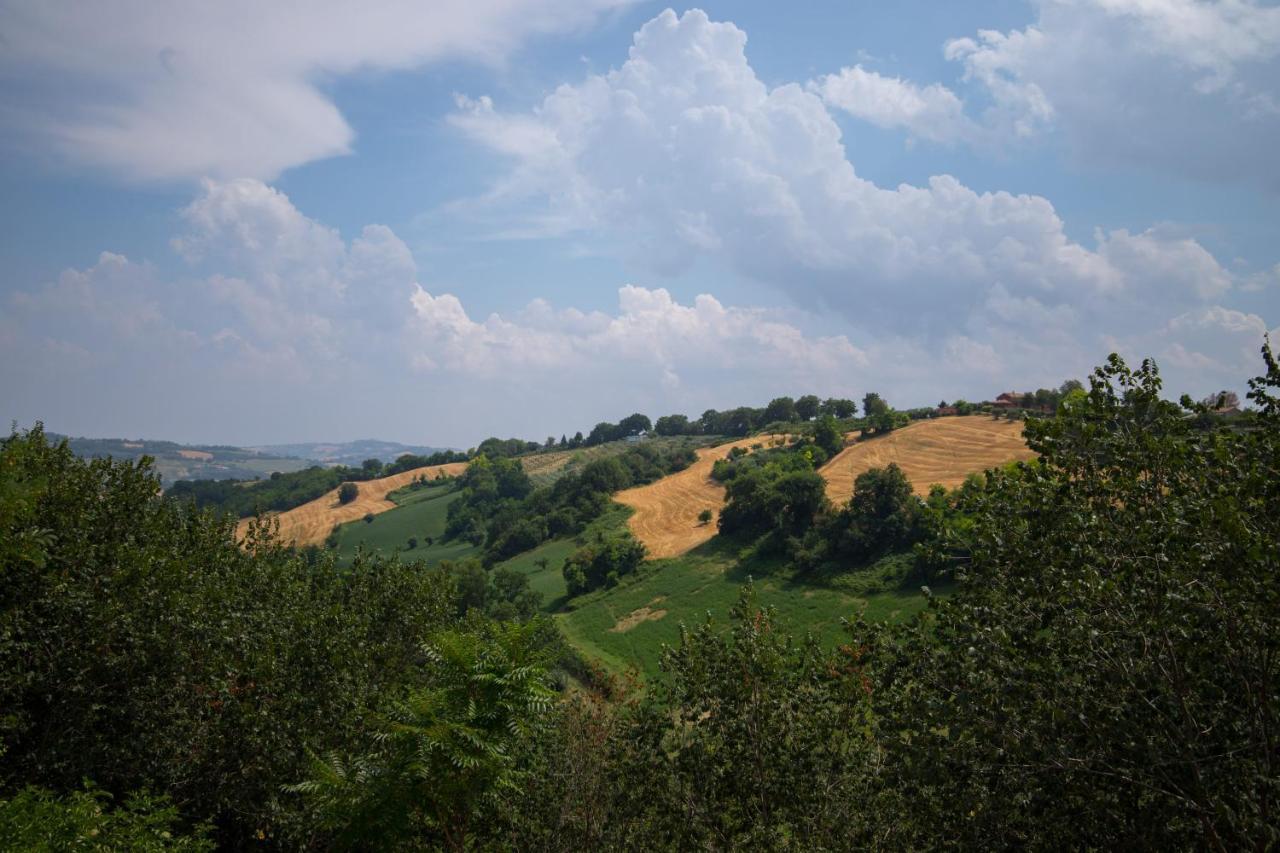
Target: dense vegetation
[(501, 510), (1104, 673)]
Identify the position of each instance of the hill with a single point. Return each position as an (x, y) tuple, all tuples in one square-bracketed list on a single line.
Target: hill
[(941, 450), (174, 461), (351, 453), (310, 523), (666, 512)]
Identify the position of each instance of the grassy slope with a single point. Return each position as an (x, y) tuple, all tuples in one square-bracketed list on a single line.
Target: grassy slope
[(708, 580), (420, 513)]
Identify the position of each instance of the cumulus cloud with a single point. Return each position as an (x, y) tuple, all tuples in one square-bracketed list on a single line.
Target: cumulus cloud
[(931, 112), (682, 152), (651, 333), (186, 89), (1189, 87)]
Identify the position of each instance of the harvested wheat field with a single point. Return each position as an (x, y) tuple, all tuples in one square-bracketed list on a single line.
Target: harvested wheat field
[(666, 512), (945, 451), (310, 523)]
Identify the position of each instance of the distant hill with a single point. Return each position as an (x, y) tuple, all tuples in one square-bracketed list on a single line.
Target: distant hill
[(175, 461), (349, 452)]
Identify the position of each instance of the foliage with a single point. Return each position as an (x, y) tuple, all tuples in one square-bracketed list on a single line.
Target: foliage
[(1107, 676), (754, 739), (141, 647), (882, 515), (602, 564), (348, 492), (508, 525), (40, 821), (774, 492), (445, 755)]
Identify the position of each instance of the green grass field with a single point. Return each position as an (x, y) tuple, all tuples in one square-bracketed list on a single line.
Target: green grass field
[(706, 581), (684, 589), (420, 513), (547, 578)]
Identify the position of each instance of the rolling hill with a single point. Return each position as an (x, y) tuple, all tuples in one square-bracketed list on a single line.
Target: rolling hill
[(310, 523)]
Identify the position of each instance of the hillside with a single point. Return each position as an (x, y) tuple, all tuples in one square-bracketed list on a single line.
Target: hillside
[(942, 450), (351, 453), (665, 514), (175, 461), (310, 523)]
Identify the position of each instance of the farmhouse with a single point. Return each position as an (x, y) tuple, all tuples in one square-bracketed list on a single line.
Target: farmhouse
[(1009, 400)]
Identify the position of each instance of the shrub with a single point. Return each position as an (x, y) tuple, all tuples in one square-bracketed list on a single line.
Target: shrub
[(348, 492)]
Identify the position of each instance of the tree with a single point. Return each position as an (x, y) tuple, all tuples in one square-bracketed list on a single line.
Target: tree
[(705, 516), (413, 542), (347, 492), (827, 435), (780, 409), (839, 408), (446, 751), (603, 432), (873, 406), (1111, 649), (635, 424), (371, 467), (673, 425), (807, 407), (368, 518)]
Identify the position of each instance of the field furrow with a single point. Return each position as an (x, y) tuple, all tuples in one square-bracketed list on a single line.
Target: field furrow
[(666, 512), (945, 451)]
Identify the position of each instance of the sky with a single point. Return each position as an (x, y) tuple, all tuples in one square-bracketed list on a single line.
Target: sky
[(430, 222)]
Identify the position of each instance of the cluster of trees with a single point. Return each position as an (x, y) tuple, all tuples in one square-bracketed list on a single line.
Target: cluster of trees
[(1103, 675), (634, 424), (500, 509), (602, 564), (732, 422), (143, 650)]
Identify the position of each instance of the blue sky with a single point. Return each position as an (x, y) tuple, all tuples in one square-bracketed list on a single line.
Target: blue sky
[(434, 222)]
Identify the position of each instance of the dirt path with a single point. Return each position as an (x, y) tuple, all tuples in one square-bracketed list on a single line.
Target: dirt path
[(666, 512), (945, 450), (310, 523)]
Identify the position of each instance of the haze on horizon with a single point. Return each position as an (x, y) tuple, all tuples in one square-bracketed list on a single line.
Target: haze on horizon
[(247, 224)]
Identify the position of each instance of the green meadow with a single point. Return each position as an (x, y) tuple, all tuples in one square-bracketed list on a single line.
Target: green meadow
[(625, 627), (420, 513)]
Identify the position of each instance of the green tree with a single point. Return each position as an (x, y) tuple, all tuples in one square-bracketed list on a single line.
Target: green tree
[(827, 435), (839, 408), (807, 407), (1106, 676), (705, 516), (447, 753), (780, 409), (348, 492), (873, 406)]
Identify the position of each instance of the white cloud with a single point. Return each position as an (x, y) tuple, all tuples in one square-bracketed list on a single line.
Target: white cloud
[(187, 89), (682, 151), (931, 112), (652, 337), (1190, 87)]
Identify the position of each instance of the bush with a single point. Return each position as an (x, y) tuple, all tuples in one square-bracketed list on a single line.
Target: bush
[(602, 564), (348, 492), (142, 647)]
